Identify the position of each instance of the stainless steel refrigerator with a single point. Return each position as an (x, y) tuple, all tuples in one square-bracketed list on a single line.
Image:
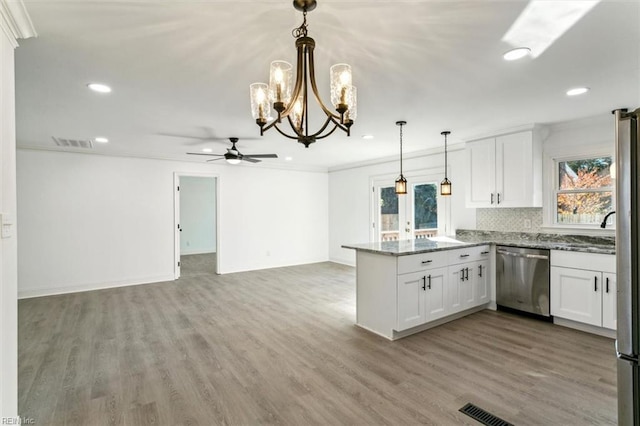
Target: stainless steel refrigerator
[(628, 264)]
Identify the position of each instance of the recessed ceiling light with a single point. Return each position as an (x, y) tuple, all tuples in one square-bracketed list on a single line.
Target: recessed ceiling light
[(101, 140), (288, 158), (517, 53), (367, 136), (207, 150), (99, 87), (577, 91)]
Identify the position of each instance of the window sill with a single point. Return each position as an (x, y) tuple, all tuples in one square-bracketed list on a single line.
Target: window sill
[(578, 230)]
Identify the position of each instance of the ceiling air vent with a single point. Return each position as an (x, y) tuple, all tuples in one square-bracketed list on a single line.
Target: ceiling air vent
[(73, 143)]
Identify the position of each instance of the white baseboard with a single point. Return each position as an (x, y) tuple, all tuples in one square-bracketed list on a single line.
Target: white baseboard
[(27, 294), (588, 328), (347, 262), (277, 265)]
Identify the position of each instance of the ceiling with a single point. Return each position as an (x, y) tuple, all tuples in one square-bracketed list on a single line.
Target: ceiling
[(180, 73)]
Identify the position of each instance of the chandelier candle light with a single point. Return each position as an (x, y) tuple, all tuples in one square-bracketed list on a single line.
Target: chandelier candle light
[(401, 182), (445, 185), (291, 100)]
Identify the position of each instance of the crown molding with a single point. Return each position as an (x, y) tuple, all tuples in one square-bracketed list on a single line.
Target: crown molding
[(406, 156), (84, 151), (15, 21)]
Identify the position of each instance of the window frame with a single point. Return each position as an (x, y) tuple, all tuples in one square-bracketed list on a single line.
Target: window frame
[(552, 185)]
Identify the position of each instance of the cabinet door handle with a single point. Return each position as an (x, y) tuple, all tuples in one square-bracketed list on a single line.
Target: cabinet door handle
[(424, 283), (595, 283), (462, 274), (498, 198), (429, 286), (607, 283), (480, 269), (426, 262), (492, 198), (466, 274), (464, 255)]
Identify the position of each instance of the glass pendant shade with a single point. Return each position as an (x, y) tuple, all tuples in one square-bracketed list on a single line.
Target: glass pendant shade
[(296, 113), (260, 106), (280, 82), (340, 75), (445, 187), (401, 185), (352, 101)]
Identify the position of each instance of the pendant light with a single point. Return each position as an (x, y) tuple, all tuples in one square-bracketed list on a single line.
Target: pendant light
[(401, 182), (445, 185)]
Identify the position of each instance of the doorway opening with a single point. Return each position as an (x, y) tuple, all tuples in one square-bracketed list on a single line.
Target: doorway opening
[(196, 207)]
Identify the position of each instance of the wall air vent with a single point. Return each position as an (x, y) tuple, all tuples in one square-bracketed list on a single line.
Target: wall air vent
[(73, 143)]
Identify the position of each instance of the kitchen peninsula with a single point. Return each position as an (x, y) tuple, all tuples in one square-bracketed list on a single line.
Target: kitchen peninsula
[(403, 287)]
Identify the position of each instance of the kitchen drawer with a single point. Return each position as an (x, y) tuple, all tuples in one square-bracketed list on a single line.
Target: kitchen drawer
[(581, 260), (468, 254), (422, 261)]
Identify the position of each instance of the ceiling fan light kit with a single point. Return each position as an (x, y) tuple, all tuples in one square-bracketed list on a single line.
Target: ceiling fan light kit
[(445, 185), (290, 100), (401, 182)]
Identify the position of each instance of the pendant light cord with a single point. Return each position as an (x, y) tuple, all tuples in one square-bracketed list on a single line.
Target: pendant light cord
[(401, 149), (445, 156)]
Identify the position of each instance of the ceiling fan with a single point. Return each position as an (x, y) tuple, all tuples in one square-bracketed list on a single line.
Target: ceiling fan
[(233, 156)]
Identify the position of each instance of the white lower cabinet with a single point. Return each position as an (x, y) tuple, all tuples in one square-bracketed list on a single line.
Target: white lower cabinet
[(421, 297), (580, 294), (436, 291)]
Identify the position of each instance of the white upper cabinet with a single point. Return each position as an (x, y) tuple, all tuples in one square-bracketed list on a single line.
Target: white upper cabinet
[(505, 171)]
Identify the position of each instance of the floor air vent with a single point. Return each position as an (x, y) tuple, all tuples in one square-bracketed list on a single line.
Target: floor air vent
[(482, 416), (73, 143)]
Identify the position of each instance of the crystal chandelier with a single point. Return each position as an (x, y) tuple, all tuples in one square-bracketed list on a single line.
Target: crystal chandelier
[(290, 101)]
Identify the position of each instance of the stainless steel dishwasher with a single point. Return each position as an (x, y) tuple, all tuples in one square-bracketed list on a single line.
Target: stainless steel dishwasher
[(522, 279)]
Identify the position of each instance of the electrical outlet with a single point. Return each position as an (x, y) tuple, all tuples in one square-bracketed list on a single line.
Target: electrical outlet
[(527, 224)]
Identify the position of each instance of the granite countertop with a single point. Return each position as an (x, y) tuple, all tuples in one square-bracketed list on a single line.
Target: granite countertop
[(471, 238), (406, 247)]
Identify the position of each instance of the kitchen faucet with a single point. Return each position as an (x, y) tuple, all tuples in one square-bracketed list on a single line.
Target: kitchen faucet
[(604, 222)]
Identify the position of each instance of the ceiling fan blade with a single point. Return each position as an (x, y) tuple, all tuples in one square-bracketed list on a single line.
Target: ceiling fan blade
[(262, 155), (202, 153), (249, 159), (214, 159)]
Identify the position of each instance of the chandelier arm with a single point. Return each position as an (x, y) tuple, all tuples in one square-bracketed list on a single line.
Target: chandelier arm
[(314, 87), (284, 134), (335, 126), (299, 78), (298, 132)]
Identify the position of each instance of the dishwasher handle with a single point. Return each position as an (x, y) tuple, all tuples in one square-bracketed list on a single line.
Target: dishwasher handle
[(525, 255)]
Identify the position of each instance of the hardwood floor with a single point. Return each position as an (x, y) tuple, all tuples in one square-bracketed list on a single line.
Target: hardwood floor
[(279, 346)]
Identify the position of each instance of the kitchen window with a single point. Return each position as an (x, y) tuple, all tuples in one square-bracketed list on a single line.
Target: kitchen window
[(583, 190)]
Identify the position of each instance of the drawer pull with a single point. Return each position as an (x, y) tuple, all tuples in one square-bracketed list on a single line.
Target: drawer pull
[(464, 255), (484, 252), (426, 262)]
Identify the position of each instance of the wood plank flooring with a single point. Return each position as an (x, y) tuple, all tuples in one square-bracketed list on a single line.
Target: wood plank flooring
[(279, 346)]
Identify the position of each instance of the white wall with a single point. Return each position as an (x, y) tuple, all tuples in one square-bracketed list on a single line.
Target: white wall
[(92, 221), (8, 247), (350, 198), (197, 214)]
